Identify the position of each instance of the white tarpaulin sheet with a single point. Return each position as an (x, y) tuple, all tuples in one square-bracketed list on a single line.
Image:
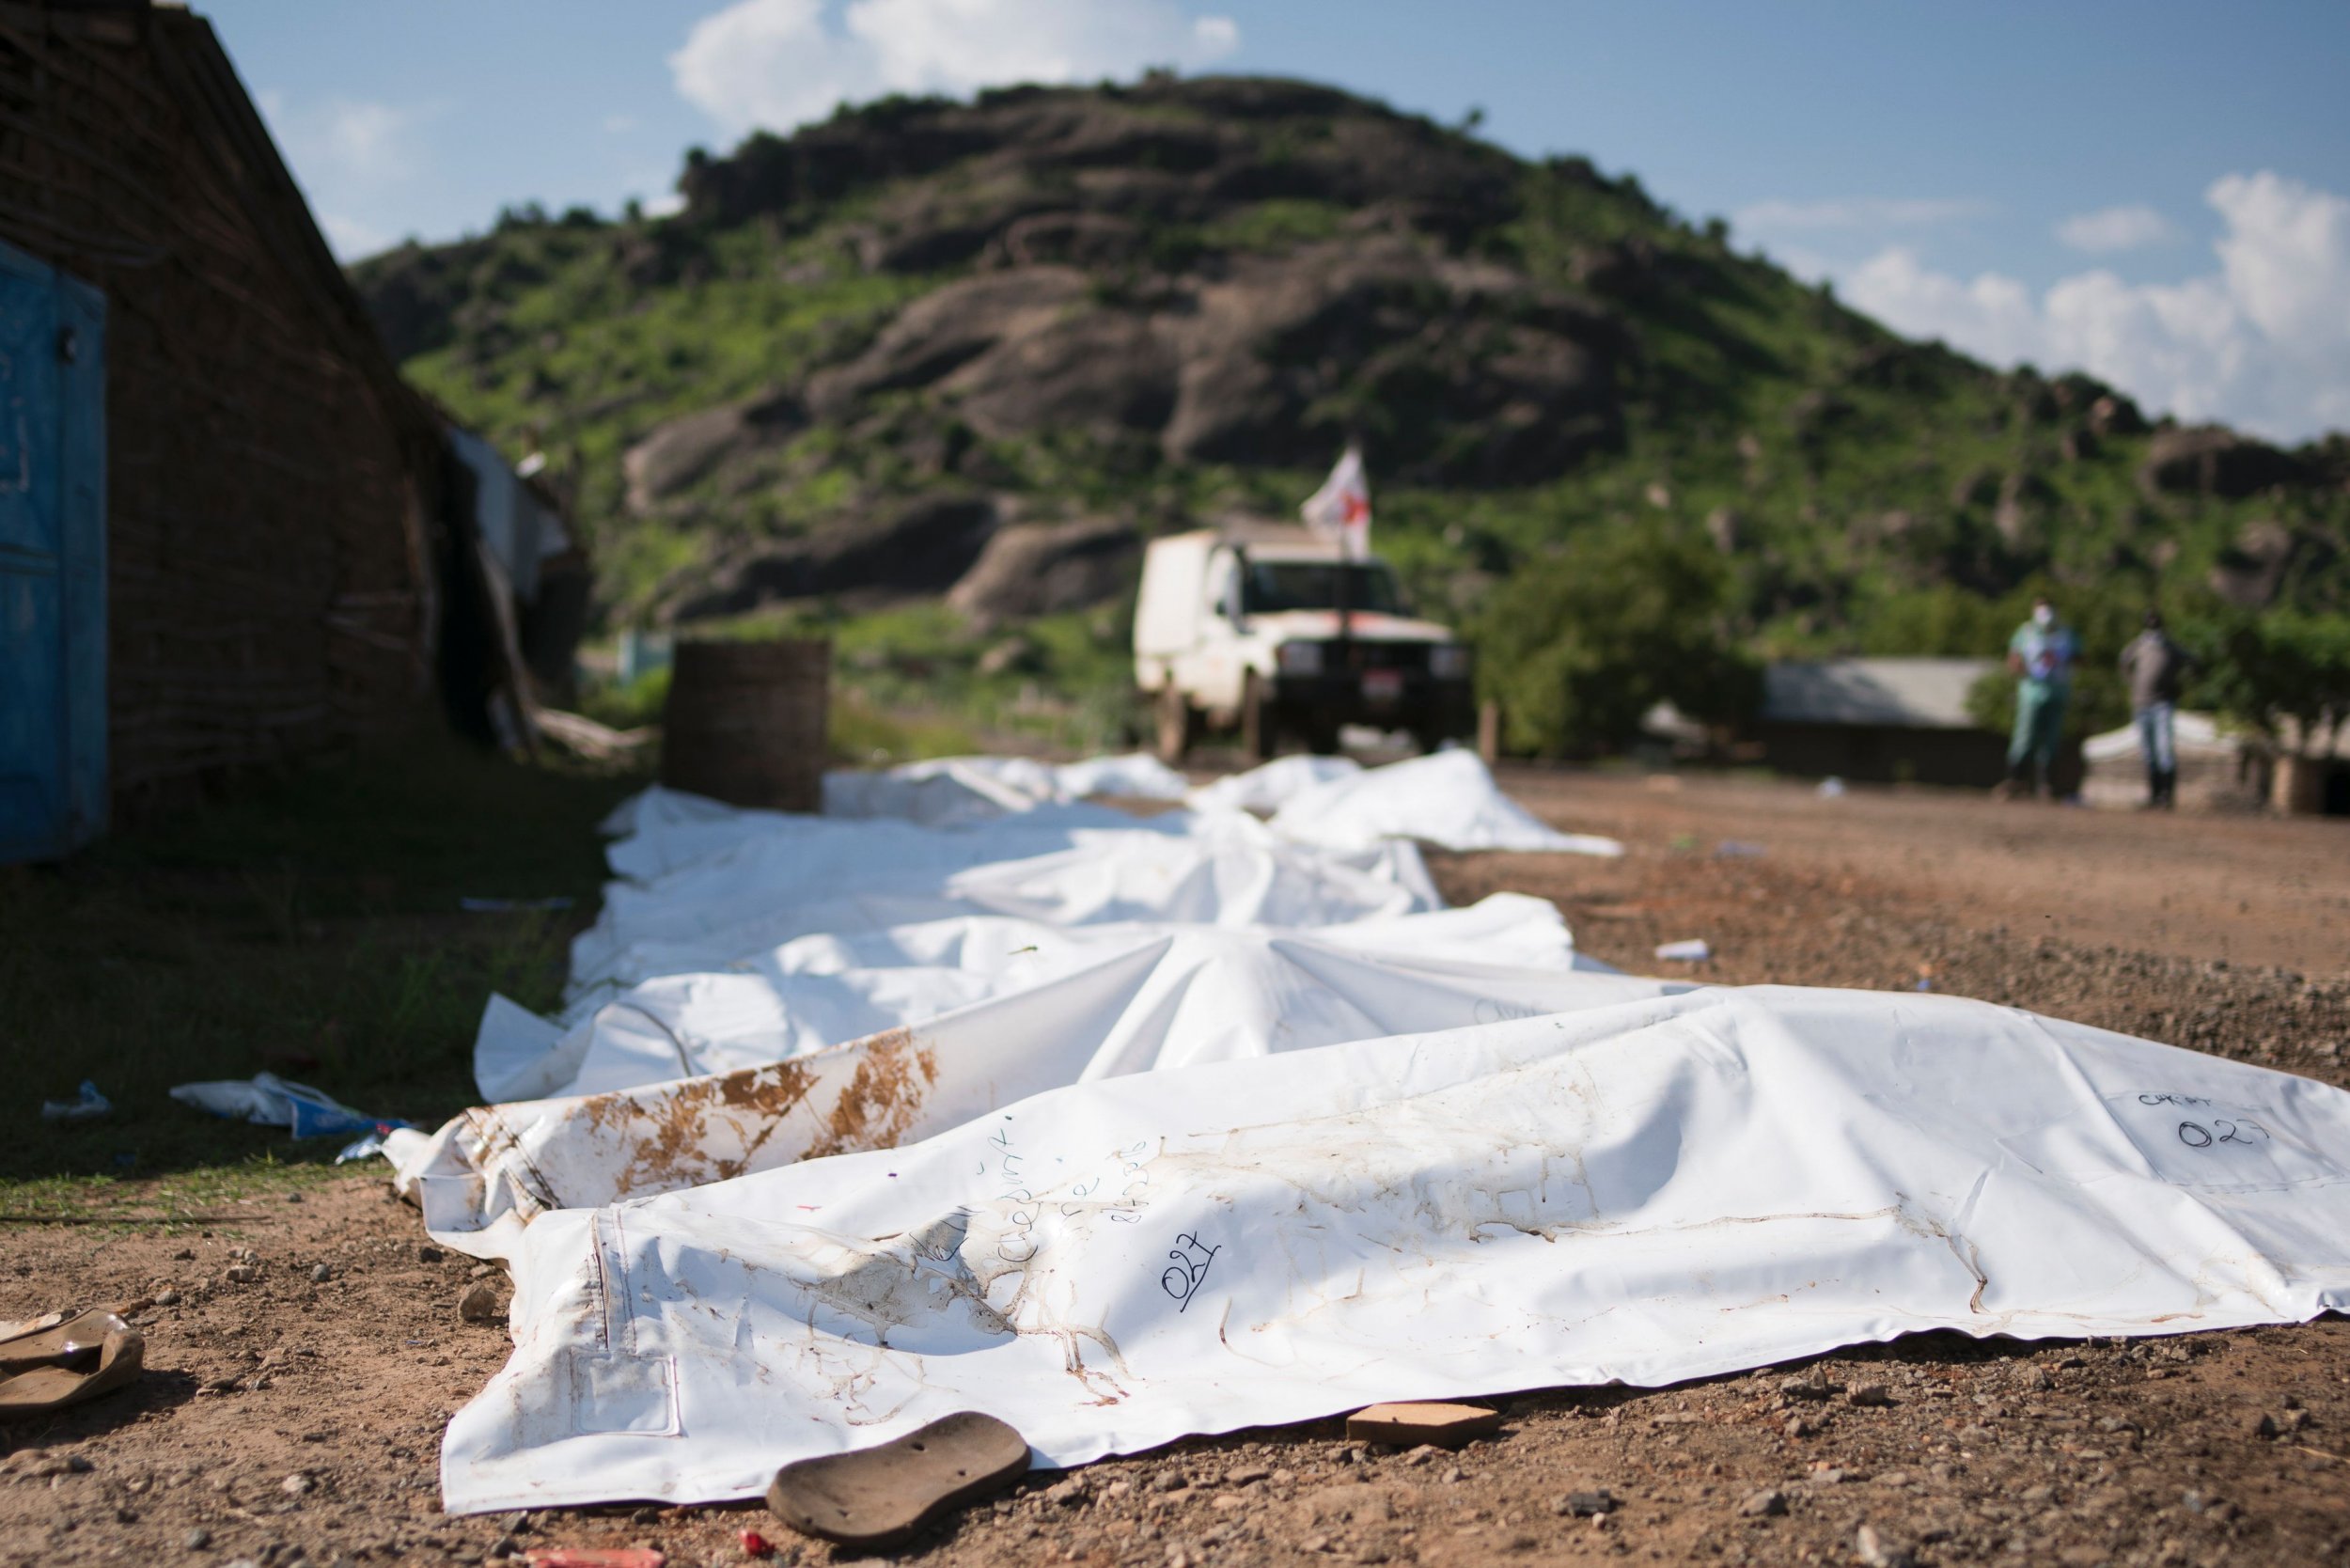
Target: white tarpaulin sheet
[(1447, 799), (1647, 1191), (1270, 785), (1122, 1130)]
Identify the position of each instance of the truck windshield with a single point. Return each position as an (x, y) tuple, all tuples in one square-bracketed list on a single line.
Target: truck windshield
[(1272, 587)]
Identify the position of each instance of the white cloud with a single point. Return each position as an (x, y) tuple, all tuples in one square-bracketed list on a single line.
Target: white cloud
[(352, 158), (351, 238), (2112, 228), (619, 124), (2263, 343), (1862, 212), (781, 63)]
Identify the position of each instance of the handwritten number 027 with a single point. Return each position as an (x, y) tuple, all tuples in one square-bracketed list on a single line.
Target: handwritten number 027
[(2195, 1136)]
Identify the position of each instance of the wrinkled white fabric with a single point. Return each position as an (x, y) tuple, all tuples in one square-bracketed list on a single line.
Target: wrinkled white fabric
[(1447, 798), (1270, 785), (953, 790), (1662, 1188), (703, 1077), (1125, 1130)]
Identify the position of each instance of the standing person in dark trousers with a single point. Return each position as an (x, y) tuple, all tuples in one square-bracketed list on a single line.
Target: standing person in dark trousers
[(2040, 655), (2156, 667)]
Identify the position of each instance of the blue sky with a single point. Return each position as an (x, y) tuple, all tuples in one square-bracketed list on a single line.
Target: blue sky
[(2149, 190)]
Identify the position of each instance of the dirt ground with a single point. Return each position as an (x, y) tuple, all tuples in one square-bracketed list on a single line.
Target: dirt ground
[(303, 1349)]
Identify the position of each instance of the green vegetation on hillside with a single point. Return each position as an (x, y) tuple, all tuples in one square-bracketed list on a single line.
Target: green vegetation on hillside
[(1174, 301)]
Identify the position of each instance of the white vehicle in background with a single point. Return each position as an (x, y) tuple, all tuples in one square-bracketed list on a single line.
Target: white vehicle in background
[(1270, 632)]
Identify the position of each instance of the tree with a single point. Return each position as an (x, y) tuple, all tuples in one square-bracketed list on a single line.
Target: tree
[(1579, 647), (2274, 671)]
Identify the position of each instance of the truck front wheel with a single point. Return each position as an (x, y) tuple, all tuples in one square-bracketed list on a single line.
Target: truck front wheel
[(1259, 725), (1178, 724)]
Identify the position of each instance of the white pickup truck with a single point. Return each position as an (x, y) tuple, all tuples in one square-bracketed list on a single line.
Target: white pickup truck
[(1272, 631)]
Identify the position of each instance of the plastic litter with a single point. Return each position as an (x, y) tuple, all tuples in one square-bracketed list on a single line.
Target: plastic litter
[(362, 1147), (269, 1100), (85, 1105), (1693, 950)]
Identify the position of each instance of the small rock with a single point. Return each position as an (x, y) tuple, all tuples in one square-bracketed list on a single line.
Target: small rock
[(297, 1483), (516, 1523), (480, 1271), (2263, 1425), (1870, 1396), (1224, 1502), (1584, 1505), (1173, 1480), (506, 1546), (321, 1274), (1246, 1475), (167, 1298), (479, 1304), (242, 1273), (1453, 1477), (1797, 1427), (1875, 1551), (1764, 1504), (197, 1540), (1071, 1493), (203, 1284), (76, 1464), (185, 1255), (293, 1197), (429, 1254)]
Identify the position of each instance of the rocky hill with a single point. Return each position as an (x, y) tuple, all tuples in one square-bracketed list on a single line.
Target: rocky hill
[(929, 346)]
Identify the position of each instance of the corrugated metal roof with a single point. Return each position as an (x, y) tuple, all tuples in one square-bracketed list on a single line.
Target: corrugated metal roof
[(1913, 693)]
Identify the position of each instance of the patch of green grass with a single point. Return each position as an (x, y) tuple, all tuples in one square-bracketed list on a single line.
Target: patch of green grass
[(310, 928)]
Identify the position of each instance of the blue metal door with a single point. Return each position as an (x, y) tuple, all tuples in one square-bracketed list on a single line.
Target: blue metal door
[(52, 560)]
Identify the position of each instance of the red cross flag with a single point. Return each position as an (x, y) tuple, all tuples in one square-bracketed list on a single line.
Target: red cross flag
[(1339, 511)]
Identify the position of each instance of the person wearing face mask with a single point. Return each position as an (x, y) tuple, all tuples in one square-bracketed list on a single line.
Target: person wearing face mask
[(2040, 656)]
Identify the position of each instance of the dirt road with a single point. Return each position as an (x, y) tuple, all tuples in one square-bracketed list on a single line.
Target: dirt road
[(294, 1414), (2257, 891)]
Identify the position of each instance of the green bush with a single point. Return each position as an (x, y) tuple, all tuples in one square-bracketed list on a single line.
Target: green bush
[(1577, 648)]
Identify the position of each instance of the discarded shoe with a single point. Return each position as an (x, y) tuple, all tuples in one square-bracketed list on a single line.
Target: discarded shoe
[(877, 1497), (53, 1362)]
